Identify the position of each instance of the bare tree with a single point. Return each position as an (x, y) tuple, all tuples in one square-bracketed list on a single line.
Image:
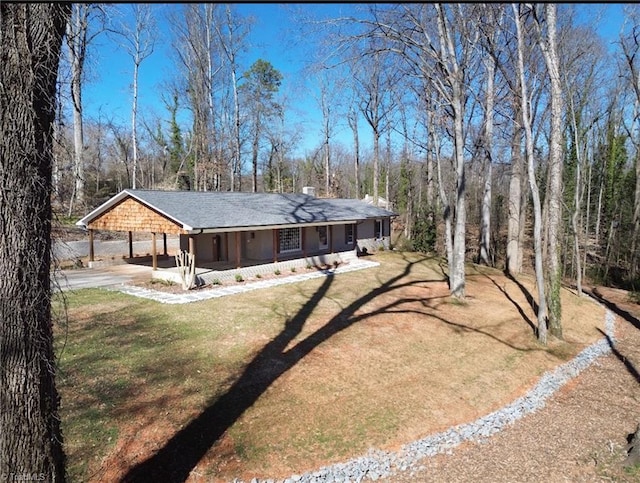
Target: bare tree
[(374, 86), (535, 193), (630, 44), (138, 41), (79, 37), (231, 34), (546, 24), (437, 43), (489, 38), (30, 437), (352, 119)]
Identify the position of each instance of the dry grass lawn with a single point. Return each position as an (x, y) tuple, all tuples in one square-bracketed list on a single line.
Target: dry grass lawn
[(283, 381)]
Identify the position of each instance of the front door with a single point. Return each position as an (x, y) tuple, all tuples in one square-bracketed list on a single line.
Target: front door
[(217, 246)]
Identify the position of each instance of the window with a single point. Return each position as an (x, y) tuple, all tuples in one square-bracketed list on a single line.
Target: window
[(289, 239), (378, 230), (323, 239), (348, 234)]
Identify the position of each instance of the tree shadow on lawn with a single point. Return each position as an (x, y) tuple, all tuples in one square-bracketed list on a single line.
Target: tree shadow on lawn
[(626, 315), (524, 291), (627, 363), (180, 454)]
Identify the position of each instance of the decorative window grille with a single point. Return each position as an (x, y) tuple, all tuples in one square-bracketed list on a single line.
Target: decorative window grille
[(290, 240)]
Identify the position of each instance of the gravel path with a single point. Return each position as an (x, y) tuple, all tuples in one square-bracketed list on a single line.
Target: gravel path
[(577, 420)]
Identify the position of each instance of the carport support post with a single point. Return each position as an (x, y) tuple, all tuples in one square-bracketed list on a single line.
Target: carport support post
[(154, 252), (192, 245), (164, 239), (91, 253), (130, 244)]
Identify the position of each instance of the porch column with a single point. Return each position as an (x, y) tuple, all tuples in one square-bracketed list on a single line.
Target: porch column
[(164, 239), (355, 235), (192, 245), (237, 249), (330, 238), (154, 252), (275, 245), (130, 244), (91, 253), (226, 246)]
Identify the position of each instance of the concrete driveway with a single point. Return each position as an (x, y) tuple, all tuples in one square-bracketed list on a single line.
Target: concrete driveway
[(98, 277)]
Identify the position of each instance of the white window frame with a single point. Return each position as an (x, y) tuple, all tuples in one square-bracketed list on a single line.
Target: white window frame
[(349, 234), (287, 237)]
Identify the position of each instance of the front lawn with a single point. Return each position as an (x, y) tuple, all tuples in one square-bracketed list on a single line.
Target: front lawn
[(282, 381)]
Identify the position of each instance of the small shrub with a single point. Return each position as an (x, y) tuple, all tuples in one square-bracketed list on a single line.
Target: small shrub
[(309, 266), (162, 281), (239, 278), (293, 269), (277, 272), (216, 282), (258, 275)]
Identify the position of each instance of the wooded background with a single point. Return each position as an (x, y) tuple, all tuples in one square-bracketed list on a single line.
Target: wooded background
[(464, 104)]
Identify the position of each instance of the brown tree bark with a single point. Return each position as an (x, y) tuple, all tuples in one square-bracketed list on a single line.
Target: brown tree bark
[(30, 436)]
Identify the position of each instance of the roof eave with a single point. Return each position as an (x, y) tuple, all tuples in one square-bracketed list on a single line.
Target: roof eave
[(232, 229)]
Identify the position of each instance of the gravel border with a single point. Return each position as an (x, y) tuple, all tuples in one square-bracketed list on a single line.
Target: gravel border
[(378, 464), (206, 294)]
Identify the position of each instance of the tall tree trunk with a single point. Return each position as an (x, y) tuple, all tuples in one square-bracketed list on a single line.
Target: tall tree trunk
[(376, 166), (446, 210), (487, 143), (455, 78), (459, 242), (30, 437), (577, 198), (255, 147), (514, 246), (134, 122), (549, 46), (535, 194), (352, 118), (77, 37)]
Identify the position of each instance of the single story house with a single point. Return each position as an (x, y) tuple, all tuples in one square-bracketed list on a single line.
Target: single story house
[(244, 228)]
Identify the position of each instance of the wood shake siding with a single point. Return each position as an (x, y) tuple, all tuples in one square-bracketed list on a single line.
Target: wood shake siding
[(131, 215)]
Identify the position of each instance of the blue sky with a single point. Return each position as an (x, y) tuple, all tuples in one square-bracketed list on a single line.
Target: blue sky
[(108, 94)]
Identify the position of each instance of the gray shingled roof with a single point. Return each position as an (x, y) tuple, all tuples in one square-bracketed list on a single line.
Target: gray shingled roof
[(212, 209)]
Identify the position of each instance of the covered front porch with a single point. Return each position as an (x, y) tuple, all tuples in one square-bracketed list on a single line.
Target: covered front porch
[(222, 257)]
